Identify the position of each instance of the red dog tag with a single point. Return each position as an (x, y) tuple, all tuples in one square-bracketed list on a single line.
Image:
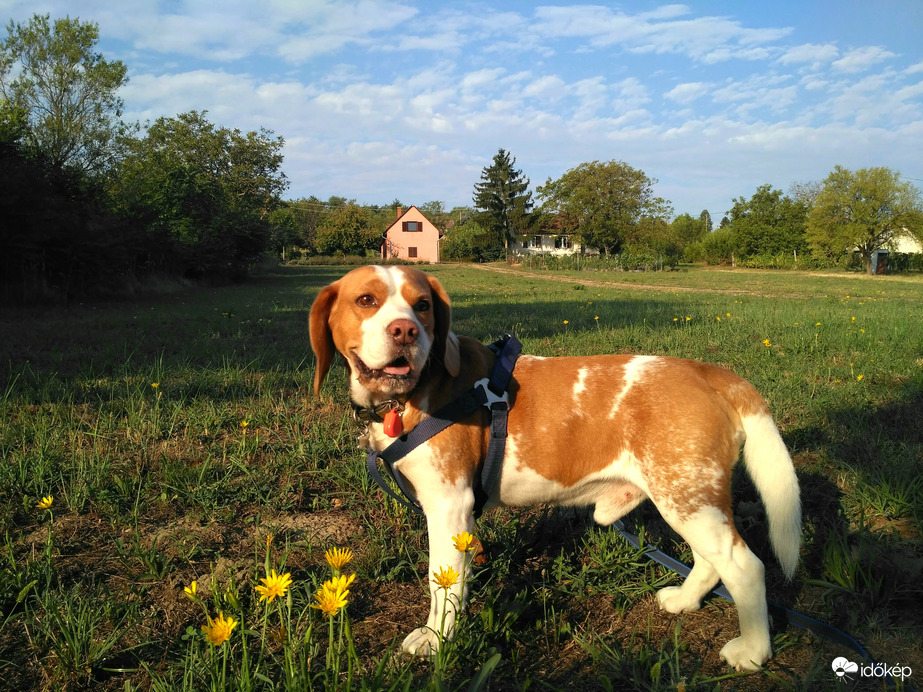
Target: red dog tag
[(394, 426)]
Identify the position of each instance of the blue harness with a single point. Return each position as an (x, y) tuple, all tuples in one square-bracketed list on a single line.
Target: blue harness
[(490, 392)]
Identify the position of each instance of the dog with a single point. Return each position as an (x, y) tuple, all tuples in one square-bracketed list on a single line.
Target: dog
[(609, 431)]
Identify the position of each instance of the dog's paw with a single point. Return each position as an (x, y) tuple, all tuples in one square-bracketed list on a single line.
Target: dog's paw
[(423, 642), (673, 600), (745, 655)]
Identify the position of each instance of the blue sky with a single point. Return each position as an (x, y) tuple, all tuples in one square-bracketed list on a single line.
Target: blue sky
[(385, 99)]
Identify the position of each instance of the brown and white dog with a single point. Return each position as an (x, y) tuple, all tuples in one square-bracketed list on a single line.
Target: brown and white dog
[(609, 431)]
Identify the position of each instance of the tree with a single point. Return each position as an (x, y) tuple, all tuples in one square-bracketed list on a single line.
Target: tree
[(436, 213), (768, 224), (306, 214), (204, 193), (604, 202), (349, 229), (57, 235), (805, 191), (469, 242), (688, 230), (65, 91), (705, 219), (863, 211), (504, 201)]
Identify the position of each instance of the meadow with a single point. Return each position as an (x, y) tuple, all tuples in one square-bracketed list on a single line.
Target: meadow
[(171, 439)]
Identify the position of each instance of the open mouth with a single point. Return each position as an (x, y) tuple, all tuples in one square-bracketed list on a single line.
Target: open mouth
[(399, 369)]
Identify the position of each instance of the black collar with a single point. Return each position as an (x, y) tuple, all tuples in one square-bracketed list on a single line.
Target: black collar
[(373, 414)]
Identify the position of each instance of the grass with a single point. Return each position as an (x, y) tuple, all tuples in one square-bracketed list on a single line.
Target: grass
[(177, 432)]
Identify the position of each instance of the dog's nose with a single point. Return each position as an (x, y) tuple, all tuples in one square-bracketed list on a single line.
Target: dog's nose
[(404, 332)]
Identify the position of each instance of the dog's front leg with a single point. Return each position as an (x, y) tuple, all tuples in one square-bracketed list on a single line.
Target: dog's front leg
[(446, 517)]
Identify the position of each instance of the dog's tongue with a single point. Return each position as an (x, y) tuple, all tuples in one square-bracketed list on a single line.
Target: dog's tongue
[(399, 370)]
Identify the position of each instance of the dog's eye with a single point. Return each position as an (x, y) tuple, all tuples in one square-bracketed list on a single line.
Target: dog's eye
[(422, 305), (367, 301)]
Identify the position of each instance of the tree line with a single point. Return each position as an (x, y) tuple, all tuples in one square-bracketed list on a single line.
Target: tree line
[(92, 203), (612, 208)]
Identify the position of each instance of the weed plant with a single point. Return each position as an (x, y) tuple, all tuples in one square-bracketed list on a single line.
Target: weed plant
[(153, 445)]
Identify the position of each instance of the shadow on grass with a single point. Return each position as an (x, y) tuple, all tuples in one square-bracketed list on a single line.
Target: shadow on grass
[(866, 531), (196, 335)]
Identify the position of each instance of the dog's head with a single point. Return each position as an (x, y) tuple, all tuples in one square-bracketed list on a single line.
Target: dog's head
[(388, 323)]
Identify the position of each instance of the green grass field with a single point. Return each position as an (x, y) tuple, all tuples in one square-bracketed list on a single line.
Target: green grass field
[(179, 440)]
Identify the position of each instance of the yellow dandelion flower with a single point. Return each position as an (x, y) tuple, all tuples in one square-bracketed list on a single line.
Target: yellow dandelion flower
[(155, 385), (718, 318), (338, 557), (331, 596), (445, 577), (190, 590), (218, 631), (274, 585), (244, 424), (45, 502), (859, 377), (329, 602), (596, 318), (688, 319), (566, 322), (817, 325), (767, 343), (463, 542)]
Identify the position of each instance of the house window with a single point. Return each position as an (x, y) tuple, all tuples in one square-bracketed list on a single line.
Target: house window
[(411, 251), (562, 242), (536, 242), (412, 226)]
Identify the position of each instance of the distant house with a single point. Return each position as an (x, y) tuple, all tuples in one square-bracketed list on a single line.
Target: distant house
[(905, 242), (551, 239), (547, 243), (411, 237)]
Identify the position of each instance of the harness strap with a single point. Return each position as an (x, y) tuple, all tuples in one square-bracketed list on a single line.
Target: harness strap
[(488, 392)]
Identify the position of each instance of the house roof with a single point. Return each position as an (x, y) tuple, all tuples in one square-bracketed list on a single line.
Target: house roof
[(407, 211)]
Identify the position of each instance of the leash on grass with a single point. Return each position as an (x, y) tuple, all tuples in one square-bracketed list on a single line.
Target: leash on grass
[(792, 617)]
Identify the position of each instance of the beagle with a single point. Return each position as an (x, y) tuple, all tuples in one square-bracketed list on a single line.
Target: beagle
[(622, 429)]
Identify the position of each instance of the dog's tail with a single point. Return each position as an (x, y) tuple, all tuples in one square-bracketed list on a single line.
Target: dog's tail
[(770, 466)]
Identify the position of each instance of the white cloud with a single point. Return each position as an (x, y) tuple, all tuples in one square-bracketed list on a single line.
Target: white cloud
[(810, 53), (359, 87), (705, 38), (688, 92), (860, 59), (151, 96), (548, 87)]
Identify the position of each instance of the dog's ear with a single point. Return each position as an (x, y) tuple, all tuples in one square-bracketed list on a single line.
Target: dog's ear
[(445, 343), (321, 336)]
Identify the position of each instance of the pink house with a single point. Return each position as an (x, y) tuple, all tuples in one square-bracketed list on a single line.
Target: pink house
[(412, 237)]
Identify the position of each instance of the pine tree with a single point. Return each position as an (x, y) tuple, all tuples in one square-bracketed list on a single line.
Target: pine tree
[(504, 201)]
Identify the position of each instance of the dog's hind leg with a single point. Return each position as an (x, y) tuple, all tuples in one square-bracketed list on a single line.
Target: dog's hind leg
[(688, 596), (711, 534)]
